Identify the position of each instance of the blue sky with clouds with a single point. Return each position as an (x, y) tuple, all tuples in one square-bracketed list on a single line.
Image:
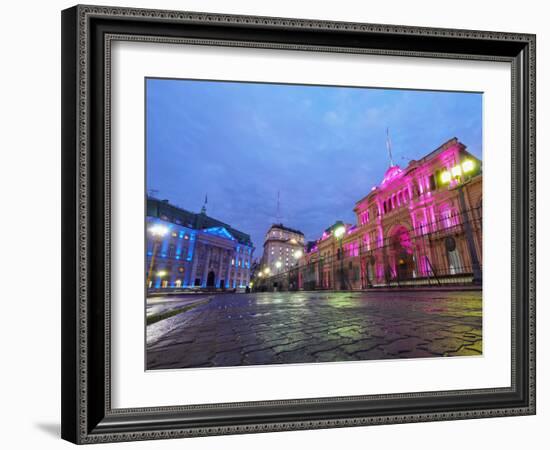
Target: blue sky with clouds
[(323, 148)]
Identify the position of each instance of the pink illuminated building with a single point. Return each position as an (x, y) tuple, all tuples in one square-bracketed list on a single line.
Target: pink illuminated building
[(420, 225)]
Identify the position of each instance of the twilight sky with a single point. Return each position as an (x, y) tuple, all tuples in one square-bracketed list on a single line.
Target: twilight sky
[(323, 148)]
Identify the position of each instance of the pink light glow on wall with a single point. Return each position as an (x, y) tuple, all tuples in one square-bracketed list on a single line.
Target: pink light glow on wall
[(366, 240), (313, 249), (351, 249), (409, 196), (392, 173), (352, 229)]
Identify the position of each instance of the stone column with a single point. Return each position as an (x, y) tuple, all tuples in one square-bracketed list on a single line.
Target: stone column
[(220, 265), (206, 264), (228, 274), (194, 264)]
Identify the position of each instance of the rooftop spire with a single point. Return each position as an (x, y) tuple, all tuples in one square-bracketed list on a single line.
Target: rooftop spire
[(388, 146), (203, 209)]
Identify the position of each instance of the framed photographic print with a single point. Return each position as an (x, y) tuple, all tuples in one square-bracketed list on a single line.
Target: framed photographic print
[(278, 224)]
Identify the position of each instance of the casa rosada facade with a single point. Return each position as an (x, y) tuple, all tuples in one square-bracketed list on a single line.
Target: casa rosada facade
[(421, 225)]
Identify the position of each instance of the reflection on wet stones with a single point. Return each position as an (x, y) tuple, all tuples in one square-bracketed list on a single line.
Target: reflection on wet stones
[(284, 328)]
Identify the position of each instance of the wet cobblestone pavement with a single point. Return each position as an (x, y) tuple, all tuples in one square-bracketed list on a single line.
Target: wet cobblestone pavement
[(302, 327)]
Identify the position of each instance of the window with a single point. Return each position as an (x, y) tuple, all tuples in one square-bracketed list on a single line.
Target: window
[(432, 182), (449, 217), (366, 240), (454, 261)]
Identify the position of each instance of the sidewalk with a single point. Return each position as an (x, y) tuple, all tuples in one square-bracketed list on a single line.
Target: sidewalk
[(159, 308)]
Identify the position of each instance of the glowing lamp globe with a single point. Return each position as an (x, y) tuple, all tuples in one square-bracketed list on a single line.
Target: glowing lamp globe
[(339, 232), (446, 177), (467, 166), (158, 230)]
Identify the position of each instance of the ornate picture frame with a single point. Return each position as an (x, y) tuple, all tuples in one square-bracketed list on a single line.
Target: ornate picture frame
[(87, 35)]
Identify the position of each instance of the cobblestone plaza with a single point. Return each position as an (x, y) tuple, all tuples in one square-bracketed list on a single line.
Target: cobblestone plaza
[(307, 327)]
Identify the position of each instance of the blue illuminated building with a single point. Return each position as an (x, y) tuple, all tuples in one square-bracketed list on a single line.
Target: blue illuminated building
[(194, 250)]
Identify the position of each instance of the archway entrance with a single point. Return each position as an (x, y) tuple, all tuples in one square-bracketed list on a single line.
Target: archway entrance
[(211, 280), (402, 252)]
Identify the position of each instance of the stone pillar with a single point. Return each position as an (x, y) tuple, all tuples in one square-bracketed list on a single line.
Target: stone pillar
[(246, 268), (221, 252), (194, 264), (206, 265), (228, 274)]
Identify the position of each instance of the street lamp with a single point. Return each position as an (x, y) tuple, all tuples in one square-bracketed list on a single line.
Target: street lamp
[(339, 234), (161, 274), (158, 231), (297, 254), (456, 173)]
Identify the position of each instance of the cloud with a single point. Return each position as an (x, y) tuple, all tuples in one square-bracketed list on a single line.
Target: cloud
[(323, 148)]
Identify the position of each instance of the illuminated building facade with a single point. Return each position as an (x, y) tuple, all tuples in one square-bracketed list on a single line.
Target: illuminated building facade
[(421, 225), (282, 247), (190, 250)]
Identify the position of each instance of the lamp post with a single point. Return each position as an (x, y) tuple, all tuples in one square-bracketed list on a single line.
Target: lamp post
[(158, 231), (339, 234), (456, 173)]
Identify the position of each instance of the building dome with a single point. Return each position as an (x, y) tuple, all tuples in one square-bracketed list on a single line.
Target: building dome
[(393, 172)]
